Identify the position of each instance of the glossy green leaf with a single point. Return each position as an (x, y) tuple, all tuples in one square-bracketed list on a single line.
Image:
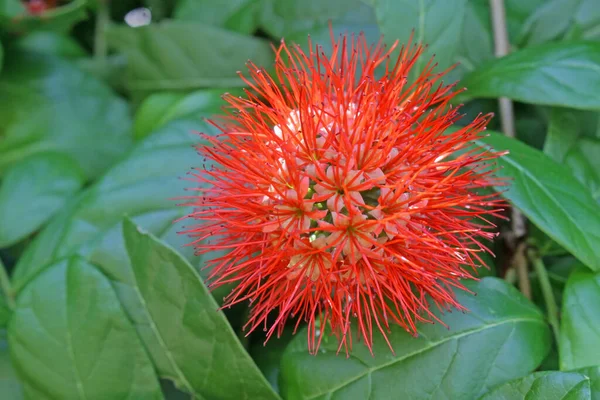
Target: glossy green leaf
[(586, 24), (235, 15), (10, 387), (544, 386), (572, 140), (142, 185), (160, 108), (503, 337), (50, 105), (550, 197), (349, 17), (284, 18), (201, 352), (594, 374), (61, 18), (579, 344), (437, 23), (517, 12), (471, 53), (561, 74), (548, 22), (186, 55), (70, 339), (33, 190)]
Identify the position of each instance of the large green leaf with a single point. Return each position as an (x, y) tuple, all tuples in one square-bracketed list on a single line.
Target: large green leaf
[(290, 18), (550, 197), (594, 374), (33, 190), (70, 339), (562, 74), (471, 53), (160, 108), (560, 19), (199, 350), (186, 55), (549, 22), (579, 344), (235, 15), (572, 140), (437, 23), (50, 105), (10, 387), (503, 337), (52, 43), (544, 386), (517, 12), (142, 185)]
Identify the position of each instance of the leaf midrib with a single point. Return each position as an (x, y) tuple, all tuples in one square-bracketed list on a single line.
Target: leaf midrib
[(430, 346)]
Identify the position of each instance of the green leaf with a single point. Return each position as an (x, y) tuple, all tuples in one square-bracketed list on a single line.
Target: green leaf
[(52, 43), (579, 344), (550, 197), (201, 352), (11, 9), (235, 15), (268, 355), (33, 190), (594, 374), (437, 23), (160, 108), (561, 19), (471, 53), (50, 105), (544, 386), (350, 17), (586, 24), (549, 22), (61, 18), (572, 140), (142, 185), (284, 18), (517, 12), (70, 339), (184, 55), (503, 337), (562, 74), (10, 387)]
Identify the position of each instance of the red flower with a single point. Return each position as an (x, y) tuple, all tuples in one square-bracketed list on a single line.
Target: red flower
[(342, 196), (36, 7)]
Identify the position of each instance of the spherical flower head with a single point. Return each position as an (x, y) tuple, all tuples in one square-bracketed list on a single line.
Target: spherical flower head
[(341, 195)]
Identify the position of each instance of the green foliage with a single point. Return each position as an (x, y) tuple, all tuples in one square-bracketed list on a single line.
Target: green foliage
[(579, 343), (101, 299), (544, 386), (181, 310), (557, 74), (501, 338), (33, 190), (551, 197)]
